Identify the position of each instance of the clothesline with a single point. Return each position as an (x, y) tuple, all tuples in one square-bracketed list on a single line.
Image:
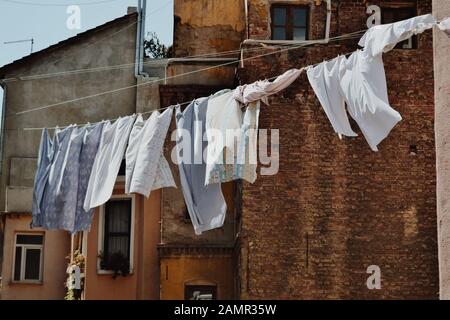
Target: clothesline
[(158, 109), (87, 160), (338, 38)]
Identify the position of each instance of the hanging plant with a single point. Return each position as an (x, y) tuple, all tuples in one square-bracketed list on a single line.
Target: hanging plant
[(78, 260)]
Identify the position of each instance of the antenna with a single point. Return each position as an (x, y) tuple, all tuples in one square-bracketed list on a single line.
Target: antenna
[(20, 41)]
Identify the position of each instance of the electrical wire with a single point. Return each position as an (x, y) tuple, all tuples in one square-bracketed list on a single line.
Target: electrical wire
[(114, 67), (88, 45), (44, 4), (195, 71), (172, 77)]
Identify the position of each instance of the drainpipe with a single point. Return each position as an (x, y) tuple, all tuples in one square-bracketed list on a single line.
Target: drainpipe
[(246, 19), (2, 123), (138, 40), (284, 42), (142, 32), (140, 36)]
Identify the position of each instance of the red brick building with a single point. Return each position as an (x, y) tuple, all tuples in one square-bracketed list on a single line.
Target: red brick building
[(335, 207)]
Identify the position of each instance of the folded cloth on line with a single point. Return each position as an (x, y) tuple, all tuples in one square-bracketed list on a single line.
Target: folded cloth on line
[(206, 204), (232, 139), (44, 161), (107, 161), (325, 81), (444, 25), (260, 90), (383, 38), (146, 167)]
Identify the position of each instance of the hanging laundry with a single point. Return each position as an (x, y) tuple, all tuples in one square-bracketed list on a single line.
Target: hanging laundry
[(260, 90), (44, 161), (324, 79), (91, 141), (107, 161), (444, 25), (363, 85), (146, 167), (56, 189), (385, 37), (206, 204), (232, 139)]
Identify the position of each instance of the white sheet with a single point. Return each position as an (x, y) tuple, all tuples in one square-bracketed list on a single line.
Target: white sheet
[(107, 161)]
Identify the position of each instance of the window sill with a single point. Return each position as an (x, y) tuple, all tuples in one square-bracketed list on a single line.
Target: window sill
[(27, 282), (102, 272)]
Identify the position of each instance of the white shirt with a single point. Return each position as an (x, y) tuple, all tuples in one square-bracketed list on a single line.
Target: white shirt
[(107, 161), (146, 167)]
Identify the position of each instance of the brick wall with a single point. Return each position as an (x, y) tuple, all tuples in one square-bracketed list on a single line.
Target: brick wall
[(336, 207)]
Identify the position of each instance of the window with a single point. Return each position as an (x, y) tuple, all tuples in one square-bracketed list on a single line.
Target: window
[(116, 231), (200, 292), (289, 22), (27, 264), (391, 15)]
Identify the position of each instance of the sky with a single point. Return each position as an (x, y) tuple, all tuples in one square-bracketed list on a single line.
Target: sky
[(46, 22)]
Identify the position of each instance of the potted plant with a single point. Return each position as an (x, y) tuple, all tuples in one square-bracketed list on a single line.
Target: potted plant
[(116, 262)]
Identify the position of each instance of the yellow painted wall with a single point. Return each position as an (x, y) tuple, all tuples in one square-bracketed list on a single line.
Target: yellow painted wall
[(206, 13), (176, 271), (143, 283), (56, 248)]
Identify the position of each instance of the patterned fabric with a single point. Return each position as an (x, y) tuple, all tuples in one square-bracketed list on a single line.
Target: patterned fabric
[(206, 204), (45, 157), (146, 167), (54, 194), (244, 162), (107, 162), (91, 141), (236, 159)]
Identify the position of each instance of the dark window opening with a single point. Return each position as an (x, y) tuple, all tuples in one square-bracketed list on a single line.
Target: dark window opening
[(28, 257), (289, 22), (391, 15), (117, 231), (200, 292), (122, 168)]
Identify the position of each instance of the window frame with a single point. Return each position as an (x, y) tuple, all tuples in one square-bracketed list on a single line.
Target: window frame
[(289, 25), (101, 231), (412, 7), (24, 248)]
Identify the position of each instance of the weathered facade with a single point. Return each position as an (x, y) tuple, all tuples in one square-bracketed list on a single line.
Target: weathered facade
[(335, 207), (441, 9), (309, 232), (110, 45)]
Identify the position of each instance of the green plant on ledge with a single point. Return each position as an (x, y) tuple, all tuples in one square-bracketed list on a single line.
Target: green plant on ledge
[(116, 262)]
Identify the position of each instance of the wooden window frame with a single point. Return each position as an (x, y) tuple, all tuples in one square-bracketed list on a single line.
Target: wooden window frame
[(289, 25), (24, 248), (101, 231)]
